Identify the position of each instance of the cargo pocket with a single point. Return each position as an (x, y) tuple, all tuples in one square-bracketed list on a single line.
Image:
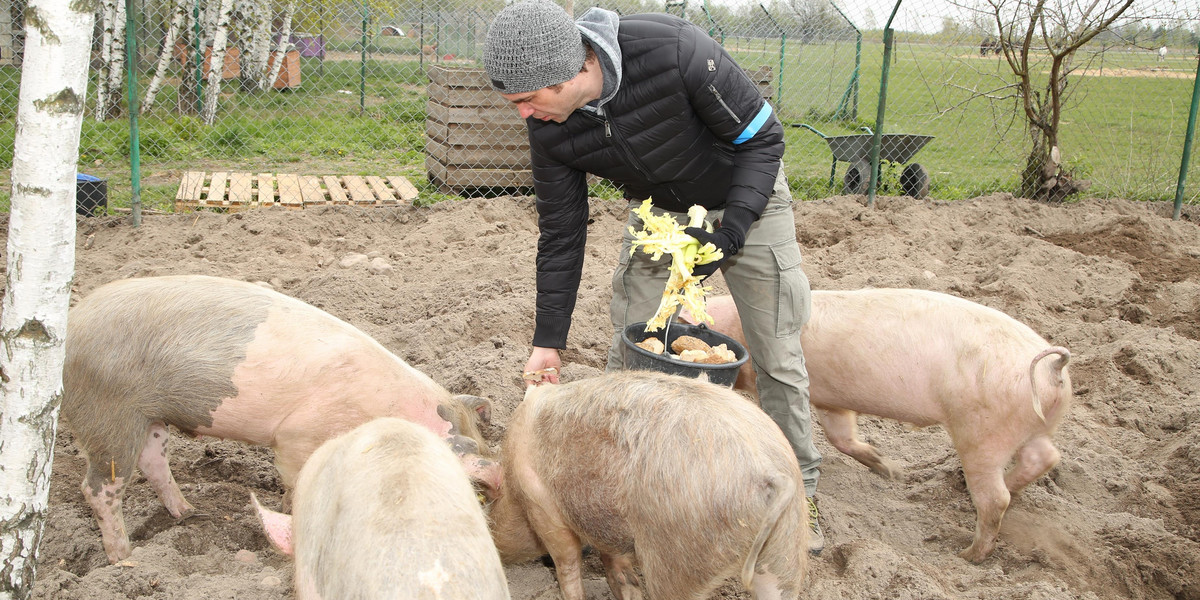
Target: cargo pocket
[(619, 305), (795, 297)]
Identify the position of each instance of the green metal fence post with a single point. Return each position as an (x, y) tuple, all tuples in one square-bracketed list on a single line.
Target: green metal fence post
[(362, 65), (131, 85), (714, 27), (877, 137), (1187, 143), (782, 48), (851, 94)]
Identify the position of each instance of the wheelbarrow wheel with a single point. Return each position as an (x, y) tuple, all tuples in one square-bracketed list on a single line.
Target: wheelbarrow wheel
[(857, 178), (914, 180)]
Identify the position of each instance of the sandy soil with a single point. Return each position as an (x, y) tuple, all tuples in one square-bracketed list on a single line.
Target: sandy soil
[(452, 293)]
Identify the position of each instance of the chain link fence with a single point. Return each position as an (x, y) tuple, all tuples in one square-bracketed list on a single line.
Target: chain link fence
[(376, 101)]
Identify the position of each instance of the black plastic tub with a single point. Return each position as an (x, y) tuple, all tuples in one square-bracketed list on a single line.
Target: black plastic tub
[(638, 359), (91, 195)]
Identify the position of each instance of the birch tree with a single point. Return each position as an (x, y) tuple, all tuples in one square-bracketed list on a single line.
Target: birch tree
[(216, 64), (254, 17), (188, 99), (112, 60), (179, 17), (285, 43), (41, 262)]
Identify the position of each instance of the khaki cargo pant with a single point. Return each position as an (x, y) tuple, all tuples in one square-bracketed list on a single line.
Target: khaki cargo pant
[(773, 299)]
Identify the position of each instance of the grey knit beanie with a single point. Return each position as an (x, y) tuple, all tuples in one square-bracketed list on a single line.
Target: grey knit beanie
[(532, 44)]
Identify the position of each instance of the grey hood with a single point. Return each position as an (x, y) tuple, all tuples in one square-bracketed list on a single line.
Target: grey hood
[(599, 28)]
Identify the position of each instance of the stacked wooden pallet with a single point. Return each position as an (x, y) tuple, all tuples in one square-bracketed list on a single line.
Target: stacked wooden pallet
[(476, 140), (764, 78), (240, 191)]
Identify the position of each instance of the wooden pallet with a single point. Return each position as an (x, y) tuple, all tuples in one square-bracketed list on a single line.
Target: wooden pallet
[(240, 191)]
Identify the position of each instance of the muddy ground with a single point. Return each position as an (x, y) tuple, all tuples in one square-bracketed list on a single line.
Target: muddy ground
[(450, 290)]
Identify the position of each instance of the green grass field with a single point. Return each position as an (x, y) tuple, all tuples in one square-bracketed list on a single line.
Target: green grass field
[(1123, 127)]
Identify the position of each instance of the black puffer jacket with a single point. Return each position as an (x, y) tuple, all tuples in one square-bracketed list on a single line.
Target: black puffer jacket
[(671, 132)]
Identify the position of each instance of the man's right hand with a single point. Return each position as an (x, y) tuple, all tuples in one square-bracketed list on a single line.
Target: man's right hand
[(543, 367)]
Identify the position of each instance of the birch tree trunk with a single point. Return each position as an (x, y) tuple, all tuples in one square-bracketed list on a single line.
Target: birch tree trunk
[(179, 17), (216, 65), (188, 99), (41, 264), (285, 43), (112, 55), (257, 50)]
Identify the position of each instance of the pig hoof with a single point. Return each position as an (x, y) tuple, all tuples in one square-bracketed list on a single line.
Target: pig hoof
[(974, 555), (889, 470)]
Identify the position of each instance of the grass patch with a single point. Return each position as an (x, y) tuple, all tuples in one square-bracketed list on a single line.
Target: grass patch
[(1123, 128)]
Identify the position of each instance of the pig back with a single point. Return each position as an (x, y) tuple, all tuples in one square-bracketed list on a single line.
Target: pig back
[(387, 511), (229, 358), (941, 353), (159, 348), (648, 456)]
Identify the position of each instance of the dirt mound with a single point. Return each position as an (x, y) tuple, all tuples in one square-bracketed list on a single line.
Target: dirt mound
[(450, 289)]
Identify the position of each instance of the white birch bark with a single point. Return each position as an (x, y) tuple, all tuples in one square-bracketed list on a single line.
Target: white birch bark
[(41, 264), (210, 13), (107, 8), (186, 101), (216, 65), (112, 71), (285, 43), (179, 17), (256, 52)]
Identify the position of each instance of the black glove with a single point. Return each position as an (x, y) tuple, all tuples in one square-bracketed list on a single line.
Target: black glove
[(725, 239)]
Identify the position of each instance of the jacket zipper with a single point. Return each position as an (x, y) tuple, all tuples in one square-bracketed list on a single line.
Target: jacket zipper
[(712, 88), (620, 144)]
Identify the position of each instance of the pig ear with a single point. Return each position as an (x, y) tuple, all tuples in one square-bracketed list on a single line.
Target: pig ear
[(481, 406), (277, 526)]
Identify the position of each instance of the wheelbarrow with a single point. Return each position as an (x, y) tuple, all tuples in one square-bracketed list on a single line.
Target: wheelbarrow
[(856, 150)]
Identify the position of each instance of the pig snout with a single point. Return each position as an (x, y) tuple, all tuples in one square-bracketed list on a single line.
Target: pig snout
[(858, 348), (388, 484), (639, 460), (233, 360)]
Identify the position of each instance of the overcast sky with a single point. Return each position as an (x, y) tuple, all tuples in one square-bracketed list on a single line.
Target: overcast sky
[(926, 15)]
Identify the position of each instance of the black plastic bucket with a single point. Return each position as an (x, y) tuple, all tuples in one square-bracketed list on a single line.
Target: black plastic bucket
[(91, 195), (639, 359)]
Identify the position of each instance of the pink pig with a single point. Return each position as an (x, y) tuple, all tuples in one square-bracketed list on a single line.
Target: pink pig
[(923, 358), (680, 477), (386, 511), (233, 360)]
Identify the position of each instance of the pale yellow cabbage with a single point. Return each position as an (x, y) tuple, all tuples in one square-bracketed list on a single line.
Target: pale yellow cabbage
[(662, 234)]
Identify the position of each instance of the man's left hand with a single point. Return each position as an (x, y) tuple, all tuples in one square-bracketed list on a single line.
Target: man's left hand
[(724, 239)]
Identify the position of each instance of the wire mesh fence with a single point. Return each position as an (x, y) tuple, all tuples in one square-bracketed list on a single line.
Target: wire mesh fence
[(376, 101)]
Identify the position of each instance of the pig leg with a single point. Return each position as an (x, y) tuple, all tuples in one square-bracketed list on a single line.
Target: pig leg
[(985, 481), (556, 537), (766, 587), (841, 429), (567, 551), (622, 580), (1034, 459), (111, 455), (155, 466), (104, 489)]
